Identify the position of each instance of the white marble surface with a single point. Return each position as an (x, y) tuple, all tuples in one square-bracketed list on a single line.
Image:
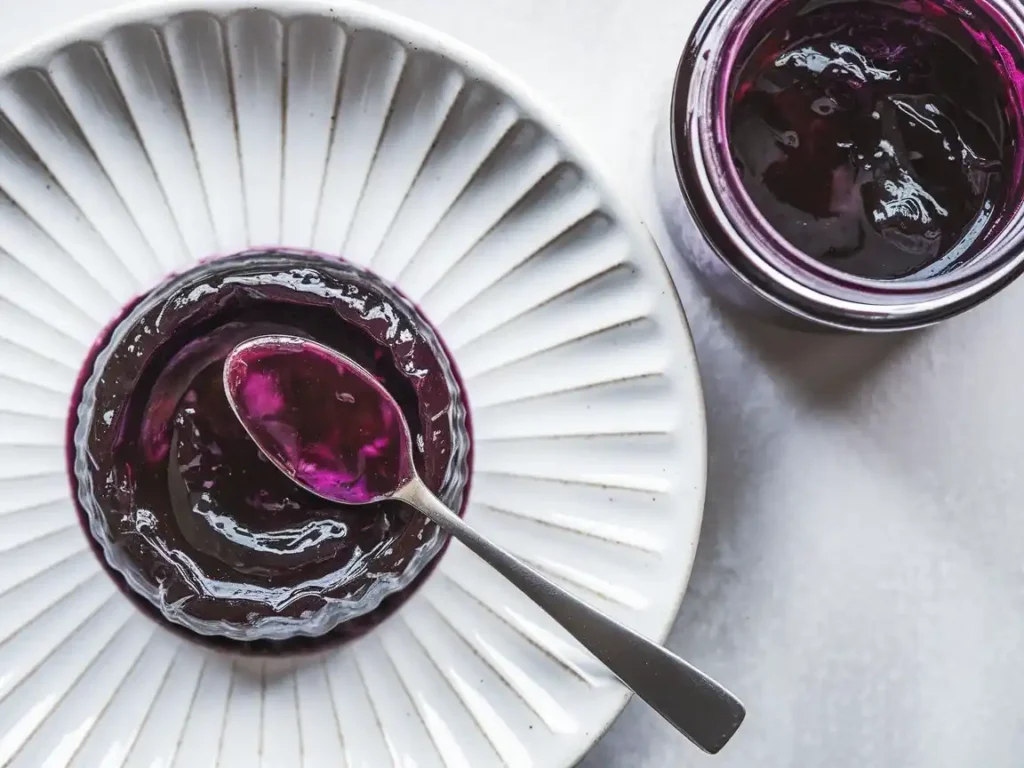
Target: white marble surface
[(859, 582)]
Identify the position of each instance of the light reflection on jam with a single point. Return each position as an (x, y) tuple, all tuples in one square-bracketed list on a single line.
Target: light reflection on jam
[(874, 139), (204, 531)]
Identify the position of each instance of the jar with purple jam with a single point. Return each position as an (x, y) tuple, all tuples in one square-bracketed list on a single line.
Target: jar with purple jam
[(856, 163), (192, 520)]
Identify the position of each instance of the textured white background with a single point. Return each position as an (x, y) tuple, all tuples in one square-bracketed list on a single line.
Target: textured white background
[(859, 581)]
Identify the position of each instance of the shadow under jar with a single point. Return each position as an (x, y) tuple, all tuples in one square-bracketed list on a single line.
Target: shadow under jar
[(855, 163), (192, 520)]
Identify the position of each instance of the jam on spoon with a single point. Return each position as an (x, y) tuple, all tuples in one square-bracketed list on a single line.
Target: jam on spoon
[(320, 419), (336, 431)]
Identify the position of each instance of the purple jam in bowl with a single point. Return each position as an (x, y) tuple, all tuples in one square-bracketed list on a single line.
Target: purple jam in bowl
[(199, 527)]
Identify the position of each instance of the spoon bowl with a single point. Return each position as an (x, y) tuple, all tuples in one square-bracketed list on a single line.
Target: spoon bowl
[(353, 447), (334, 430)]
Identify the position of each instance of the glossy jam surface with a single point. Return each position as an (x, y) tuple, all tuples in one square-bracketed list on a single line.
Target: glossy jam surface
[(323, 421), (188, 512), (875, 138)]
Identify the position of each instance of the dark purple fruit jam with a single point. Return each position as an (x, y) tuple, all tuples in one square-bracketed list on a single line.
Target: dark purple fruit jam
[(876, 138), (323, 421), (185, 509)]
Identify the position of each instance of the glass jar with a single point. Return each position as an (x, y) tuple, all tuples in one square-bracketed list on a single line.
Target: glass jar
[(714, 223)]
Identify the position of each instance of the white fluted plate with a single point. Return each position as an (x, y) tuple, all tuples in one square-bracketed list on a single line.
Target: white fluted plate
[(148, 139)]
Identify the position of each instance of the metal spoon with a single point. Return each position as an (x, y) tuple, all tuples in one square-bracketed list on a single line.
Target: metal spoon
[(352, 445)]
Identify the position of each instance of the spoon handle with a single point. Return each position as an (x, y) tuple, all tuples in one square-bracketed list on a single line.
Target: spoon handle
[(696, 705)]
